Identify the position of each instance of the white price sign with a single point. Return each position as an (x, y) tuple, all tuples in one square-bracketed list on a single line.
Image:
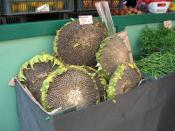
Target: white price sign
[(85, 19), (43, 8)]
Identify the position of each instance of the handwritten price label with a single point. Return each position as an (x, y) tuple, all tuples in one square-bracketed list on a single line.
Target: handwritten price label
[(168, 24), (86, 19)]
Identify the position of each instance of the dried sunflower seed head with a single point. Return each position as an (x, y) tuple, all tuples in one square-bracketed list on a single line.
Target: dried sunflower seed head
[(69, 87), (126, 77), (77, 44), (35, 71), (112, 53)]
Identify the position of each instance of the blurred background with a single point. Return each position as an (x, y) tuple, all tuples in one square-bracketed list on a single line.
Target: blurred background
[(17, 11)]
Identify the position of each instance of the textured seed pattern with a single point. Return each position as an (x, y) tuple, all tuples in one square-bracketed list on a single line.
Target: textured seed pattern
[(72, 88), (97, 78), (129, 80), (77, 44), (36, 76), (114, 53)]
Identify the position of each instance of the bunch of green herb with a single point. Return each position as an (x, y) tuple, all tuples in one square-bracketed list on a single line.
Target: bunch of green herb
[(157, 64), (157, 40)]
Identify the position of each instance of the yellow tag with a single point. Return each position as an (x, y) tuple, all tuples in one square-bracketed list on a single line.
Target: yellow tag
[(168, 24)]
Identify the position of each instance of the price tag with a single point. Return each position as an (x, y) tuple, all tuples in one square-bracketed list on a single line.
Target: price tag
[(168, 24), (86, 19), (43, 8)]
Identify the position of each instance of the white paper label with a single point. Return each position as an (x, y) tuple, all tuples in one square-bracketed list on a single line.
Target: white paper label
[(86, 19), (168, 24), (43, 8), (12, 82)]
